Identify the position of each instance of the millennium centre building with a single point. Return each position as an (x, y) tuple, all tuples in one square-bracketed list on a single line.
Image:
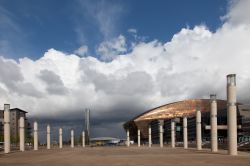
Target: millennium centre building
[(187, 108)]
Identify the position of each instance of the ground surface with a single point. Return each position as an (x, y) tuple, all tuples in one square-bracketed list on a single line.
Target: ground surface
[(122, 156)]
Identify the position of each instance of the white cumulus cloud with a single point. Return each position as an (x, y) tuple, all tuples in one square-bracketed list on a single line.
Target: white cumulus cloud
[(108, 50), (82, 51)]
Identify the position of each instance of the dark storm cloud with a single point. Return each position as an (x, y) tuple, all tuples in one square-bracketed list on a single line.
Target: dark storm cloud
[(138, 82), (110, 129), (54, 84), (111, 126), (107, 123)]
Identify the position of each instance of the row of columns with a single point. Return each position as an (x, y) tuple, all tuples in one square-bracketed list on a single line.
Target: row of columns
[(35, 133), (160, 135), (60, 137), (48, 138), (213, 119), (231, 125)]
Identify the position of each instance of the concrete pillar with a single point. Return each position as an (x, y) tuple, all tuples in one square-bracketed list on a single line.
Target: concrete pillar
[(60, 138), (161, 133), (185, 133), (6, 128), (149, 136), (35, 136), (213, 123), (83, 139), (139, 138), (198, 129), (21, 134), (128, 139), (231, 114), (172, 133), (72, 138), (48, 136)]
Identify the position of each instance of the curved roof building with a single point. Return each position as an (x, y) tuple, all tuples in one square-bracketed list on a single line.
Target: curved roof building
[(170, 111)]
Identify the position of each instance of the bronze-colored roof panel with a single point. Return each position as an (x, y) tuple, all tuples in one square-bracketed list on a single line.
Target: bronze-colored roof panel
[(179, 109)]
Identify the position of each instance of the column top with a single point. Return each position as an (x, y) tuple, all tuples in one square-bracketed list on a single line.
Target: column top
[(161, 122), (212, 97), (60, 131), (35, 125), (6, 106), (231, 79)]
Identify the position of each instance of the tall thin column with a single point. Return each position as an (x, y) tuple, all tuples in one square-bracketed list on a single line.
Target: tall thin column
[(83, 139), (72, 138), (172, 133), (231, 114), (139, 137), (87, 126), (128, 139), (213, 123), (198, 129), (60, 138), (48, 136), (185, 133), (35, 136), (161, 133), (149, 136), (6, 128), (21, 133)]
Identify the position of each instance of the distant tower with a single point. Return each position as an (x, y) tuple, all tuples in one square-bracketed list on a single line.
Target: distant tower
[(87, 125)]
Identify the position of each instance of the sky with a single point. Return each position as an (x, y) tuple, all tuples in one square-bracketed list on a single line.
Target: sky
[(118, 58), (32, 27)]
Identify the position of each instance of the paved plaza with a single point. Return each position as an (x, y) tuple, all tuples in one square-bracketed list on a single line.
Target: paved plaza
[(119, 156)]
